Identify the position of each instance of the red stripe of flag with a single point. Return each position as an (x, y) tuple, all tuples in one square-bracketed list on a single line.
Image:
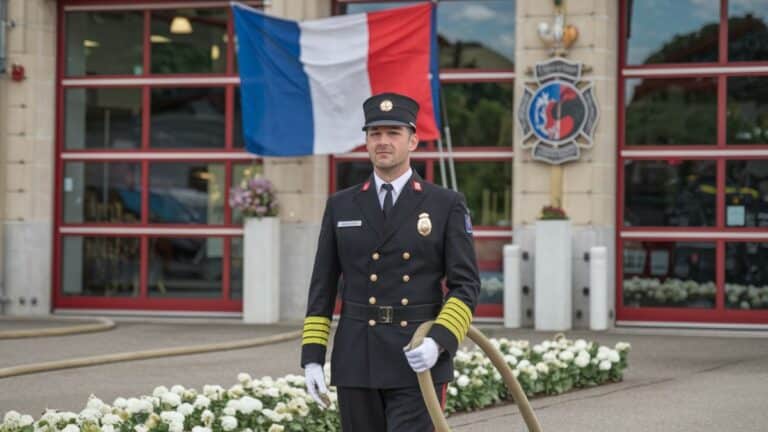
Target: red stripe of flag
[(398, 59)]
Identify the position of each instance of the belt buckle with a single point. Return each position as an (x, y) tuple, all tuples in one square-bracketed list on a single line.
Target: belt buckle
[(385, 314)]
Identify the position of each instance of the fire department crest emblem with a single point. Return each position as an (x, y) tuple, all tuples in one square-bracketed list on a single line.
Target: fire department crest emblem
[(558, 112)]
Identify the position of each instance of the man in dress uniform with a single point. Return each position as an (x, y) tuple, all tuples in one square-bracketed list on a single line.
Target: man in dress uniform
[(392, 240)]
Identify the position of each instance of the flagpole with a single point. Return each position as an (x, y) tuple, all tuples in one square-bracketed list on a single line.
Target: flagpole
[(442, 161), (448, 141)]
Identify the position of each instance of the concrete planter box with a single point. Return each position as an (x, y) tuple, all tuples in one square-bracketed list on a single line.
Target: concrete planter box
[(552, 298), (261, 270)]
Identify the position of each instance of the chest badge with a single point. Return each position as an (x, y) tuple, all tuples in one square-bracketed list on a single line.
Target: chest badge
[(424, 225)]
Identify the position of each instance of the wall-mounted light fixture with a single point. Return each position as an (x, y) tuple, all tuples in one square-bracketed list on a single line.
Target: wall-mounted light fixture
[(181, 25)]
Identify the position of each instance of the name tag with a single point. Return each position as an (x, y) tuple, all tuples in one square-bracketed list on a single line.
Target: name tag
[(347, 224)]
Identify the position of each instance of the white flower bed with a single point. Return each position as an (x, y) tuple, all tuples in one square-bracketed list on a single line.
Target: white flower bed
[(267, 405), (653, 292)]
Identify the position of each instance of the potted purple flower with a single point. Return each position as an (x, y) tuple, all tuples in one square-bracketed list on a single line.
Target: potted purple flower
[(256, 199)]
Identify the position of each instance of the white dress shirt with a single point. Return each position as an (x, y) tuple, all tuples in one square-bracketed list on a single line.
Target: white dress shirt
[(397, 186)]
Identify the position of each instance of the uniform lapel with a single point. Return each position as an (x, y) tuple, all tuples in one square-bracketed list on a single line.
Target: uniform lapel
[(407, 203), (367, 199)]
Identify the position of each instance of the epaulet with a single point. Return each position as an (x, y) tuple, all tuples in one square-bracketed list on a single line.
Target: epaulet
[(366, 186)]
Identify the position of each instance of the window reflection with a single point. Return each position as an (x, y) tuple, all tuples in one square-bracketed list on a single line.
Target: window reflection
[(480, 114), (487, 187), (671, 111), (100, 266), (669, 274), (747, 121), (747, 30), (471, 34), (102, 192), (189, 41), (490, 264), (236, 269), (672, 31), (746, 193), (95, 48), (187, 118), (669, 193), (238, 139), (185, 267), (746, 276), (186, 192), (101, 118)]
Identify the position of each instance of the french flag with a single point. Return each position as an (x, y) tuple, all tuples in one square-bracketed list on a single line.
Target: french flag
[(303, 83)]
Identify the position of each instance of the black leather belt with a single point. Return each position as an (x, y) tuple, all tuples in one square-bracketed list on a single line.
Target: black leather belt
[(390, 314)]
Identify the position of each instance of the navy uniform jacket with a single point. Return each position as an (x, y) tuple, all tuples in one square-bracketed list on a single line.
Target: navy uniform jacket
[(390, 264)]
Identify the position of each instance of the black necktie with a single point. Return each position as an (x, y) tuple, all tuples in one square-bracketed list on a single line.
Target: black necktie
[(387, 199)]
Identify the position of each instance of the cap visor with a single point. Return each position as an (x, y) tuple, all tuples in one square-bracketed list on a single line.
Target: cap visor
[(386, 123)]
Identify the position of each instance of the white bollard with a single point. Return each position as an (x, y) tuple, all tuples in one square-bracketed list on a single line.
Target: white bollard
[(261, 268), (598, 288), (512, 316)]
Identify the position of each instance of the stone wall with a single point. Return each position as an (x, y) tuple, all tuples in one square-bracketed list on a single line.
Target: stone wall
[(27, 126)]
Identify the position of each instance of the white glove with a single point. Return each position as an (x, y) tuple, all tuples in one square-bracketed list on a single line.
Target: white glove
[(424, 356), (315, 379)]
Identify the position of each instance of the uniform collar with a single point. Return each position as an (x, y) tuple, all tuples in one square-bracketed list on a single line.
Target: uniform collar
[(397, 184)]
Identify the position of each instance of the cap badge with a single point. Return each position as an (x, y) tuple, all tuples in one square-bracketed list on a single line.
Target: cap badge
[(386, 105), (424, 225)]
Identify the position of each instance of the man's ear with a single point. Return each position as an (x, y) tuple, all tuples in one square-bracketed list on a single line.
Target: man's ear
[(414, 142)]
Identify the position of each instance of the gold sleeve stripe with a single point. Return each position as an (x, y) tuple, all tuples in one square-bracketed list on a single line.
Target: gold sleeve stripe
[(456, 323), (459, 311), (317, 320), (315, 333), (318, 327), (460, 318), (311, 340), (459, 321), (447, 324), (453, 301)]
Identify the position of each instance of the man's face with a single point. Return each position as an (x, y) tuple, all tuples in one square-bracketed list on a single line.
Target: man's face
[(389, 147)]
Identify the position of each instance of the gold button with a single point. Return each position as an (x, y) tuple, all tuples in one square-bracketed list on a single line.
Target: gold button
[(372, 300), (406, 278), (374, 278), (375, 256), (404, 302), (372, 323), (403, 323), (406, 256)]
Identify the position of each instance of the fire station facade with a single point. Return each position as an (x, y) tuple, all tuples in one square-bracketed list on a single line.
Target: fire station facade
[(122, 139)]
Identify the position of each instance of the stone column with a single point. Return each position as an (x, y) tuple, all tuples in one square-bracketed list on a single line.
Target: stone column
[(302, 184), (589, 185), (27, 126)]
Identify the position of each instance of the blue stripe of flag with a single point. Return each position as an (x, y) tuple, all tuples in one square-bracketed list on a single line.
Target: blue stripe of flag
[(275, 98)]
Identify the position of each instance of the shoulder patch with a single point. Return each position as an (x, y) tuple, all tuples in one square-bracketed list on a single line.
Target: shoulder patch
[(467, 223)]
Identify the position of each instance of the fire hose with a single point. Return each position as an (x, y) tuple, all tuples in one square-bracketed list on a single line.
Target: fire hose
[(513, 386)]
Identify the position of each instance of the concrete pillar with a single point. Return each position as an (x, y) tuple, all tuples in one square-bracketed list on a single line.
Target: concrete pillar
[(302, 185), (589, 192), (27, 126), (512, 306)]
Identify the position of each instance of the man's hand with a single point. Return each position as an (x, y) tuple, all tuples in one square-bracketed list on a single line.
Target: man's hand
[(315, 379), (424, 356)]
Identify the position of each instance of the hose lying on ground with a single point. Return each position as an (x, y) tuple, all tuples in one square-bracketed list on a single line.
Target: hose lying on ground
[(101, 324), (428, 388), (148, 354)]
